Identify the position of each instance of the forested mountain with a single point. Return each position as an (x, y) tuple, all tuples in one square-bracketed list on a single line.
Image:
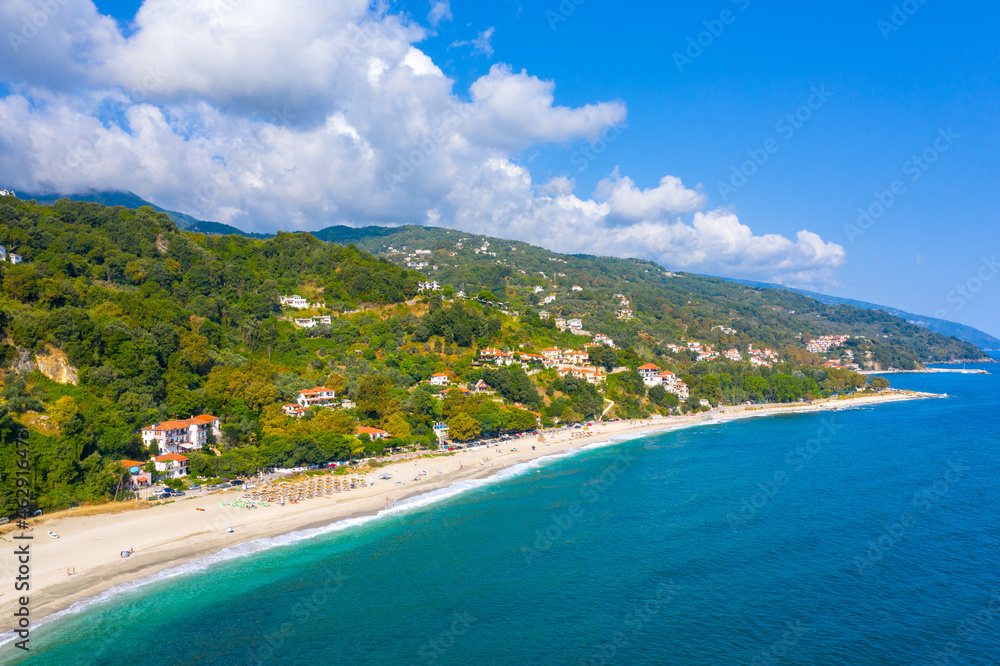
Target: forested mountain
[(666, 304), (117, 319), (969, 334)]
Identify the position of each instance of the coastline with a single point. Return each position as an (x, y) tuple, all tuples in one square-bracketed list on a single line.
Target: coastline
[(177, 538)]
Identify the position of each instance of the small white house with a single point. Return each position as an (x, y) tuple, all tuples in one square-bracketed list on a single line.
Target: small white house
[(294, 301), (439, 379)]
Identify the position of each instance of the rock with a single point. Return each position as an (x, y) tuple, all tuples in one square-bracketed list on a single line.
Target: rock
[(23, 362), (54, 364)]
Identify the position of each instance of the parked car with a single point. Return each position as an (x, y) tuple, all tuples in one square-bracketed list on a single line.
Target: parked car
[(194, 487), (225, 485), (178, 493), (212, 487), (36, 513), (4, 520)]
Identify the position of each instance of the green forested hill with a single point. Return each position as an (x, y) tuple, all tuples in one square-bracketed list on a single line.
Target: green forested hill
[(666, 304), (152, 323)]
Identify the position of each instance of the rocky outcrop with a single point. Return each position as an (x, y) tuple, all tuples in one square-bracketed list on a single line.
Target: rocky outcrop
[(23, 362), (53, 364)]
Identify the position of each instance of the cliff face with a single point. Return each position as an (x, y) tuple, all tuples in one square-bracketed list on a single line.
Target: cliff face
[(53, 364)]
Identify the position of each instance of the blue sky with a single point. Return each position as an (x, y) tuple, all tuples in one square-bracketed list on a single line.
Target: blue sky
[(889, 92)]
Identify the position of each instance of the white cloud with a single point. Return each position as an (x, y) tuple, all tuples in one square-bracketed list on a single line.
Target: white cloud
[(440, 11), (630, 203), (481, 44), (299, 115)]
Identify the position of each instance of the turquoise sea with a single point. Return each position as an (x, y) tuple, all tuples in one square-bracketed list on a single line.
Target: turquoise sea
[(862, 536)]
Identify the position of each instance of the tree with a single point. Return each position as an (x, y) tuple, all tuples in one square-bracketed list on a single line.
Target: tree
[(486, 295), (605, 357), (64, 410), (878, 383), (397, 426), (375, 397), (463, 428)]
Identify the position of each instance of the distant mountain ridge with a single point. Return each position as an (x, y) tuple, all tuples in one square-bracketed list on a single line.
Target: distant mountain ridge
[(368, 238), (974, 336), (131, 200)]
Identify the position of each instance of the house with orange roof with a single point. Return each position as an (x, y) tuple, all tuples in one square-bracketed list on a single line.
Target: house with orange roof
[(138, 478), (182, 435), (293, 409), (650, 374), (374, 433), (551, 353), (320, 396), (171, 465), (440, 379)]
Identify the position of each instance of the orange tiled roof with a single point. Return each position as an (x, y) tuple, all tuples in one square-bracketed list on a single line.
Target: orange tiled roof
[(169, 457)]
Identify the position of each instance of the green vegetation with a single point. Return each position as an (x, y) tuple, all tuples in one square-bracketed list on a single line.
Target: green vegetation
[(158, 323)]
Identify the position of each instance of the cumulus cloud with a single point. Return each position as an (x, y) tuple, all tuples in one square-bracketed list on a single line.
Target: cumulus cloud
[(628, 202), (299, 115)]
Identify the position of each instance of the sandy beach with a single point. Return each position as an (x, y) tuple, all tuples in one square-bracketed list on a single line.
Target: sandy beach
[(169, 535)]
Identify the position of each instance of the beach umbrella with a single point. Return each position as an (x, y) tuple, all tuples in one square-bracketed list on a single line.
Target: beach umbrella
[(385, 476)]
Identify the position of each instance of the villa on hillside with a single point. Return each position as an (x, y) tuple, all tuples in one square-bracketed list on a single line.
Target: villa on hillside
[(439, 379), (294, 301), (293, 409), (649, 373), (374, 433), (653, 376), (171, 465), (183, 435), (320, 396)]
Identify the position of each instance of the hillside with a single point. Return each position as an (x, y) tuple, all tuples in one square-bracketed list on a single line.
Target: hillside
[(117, 319), (667, 305), (367, 238)]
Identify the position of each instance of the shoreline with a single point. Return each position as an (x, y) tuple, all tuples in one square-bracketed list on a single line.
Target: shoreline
[(190, 534)]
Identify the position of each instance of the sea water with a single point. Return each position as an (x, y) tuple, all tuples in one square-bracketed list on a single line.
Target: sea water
[(859, 536)]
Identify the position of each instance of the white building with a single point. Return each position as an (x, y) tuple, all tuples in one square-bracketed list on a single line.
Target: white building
[(294, 301), (16, 258), (182, 435), (576, 287), (440, 379), (320, 396), (602, 339), (650, 374), (171, 465), (293, 409)]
